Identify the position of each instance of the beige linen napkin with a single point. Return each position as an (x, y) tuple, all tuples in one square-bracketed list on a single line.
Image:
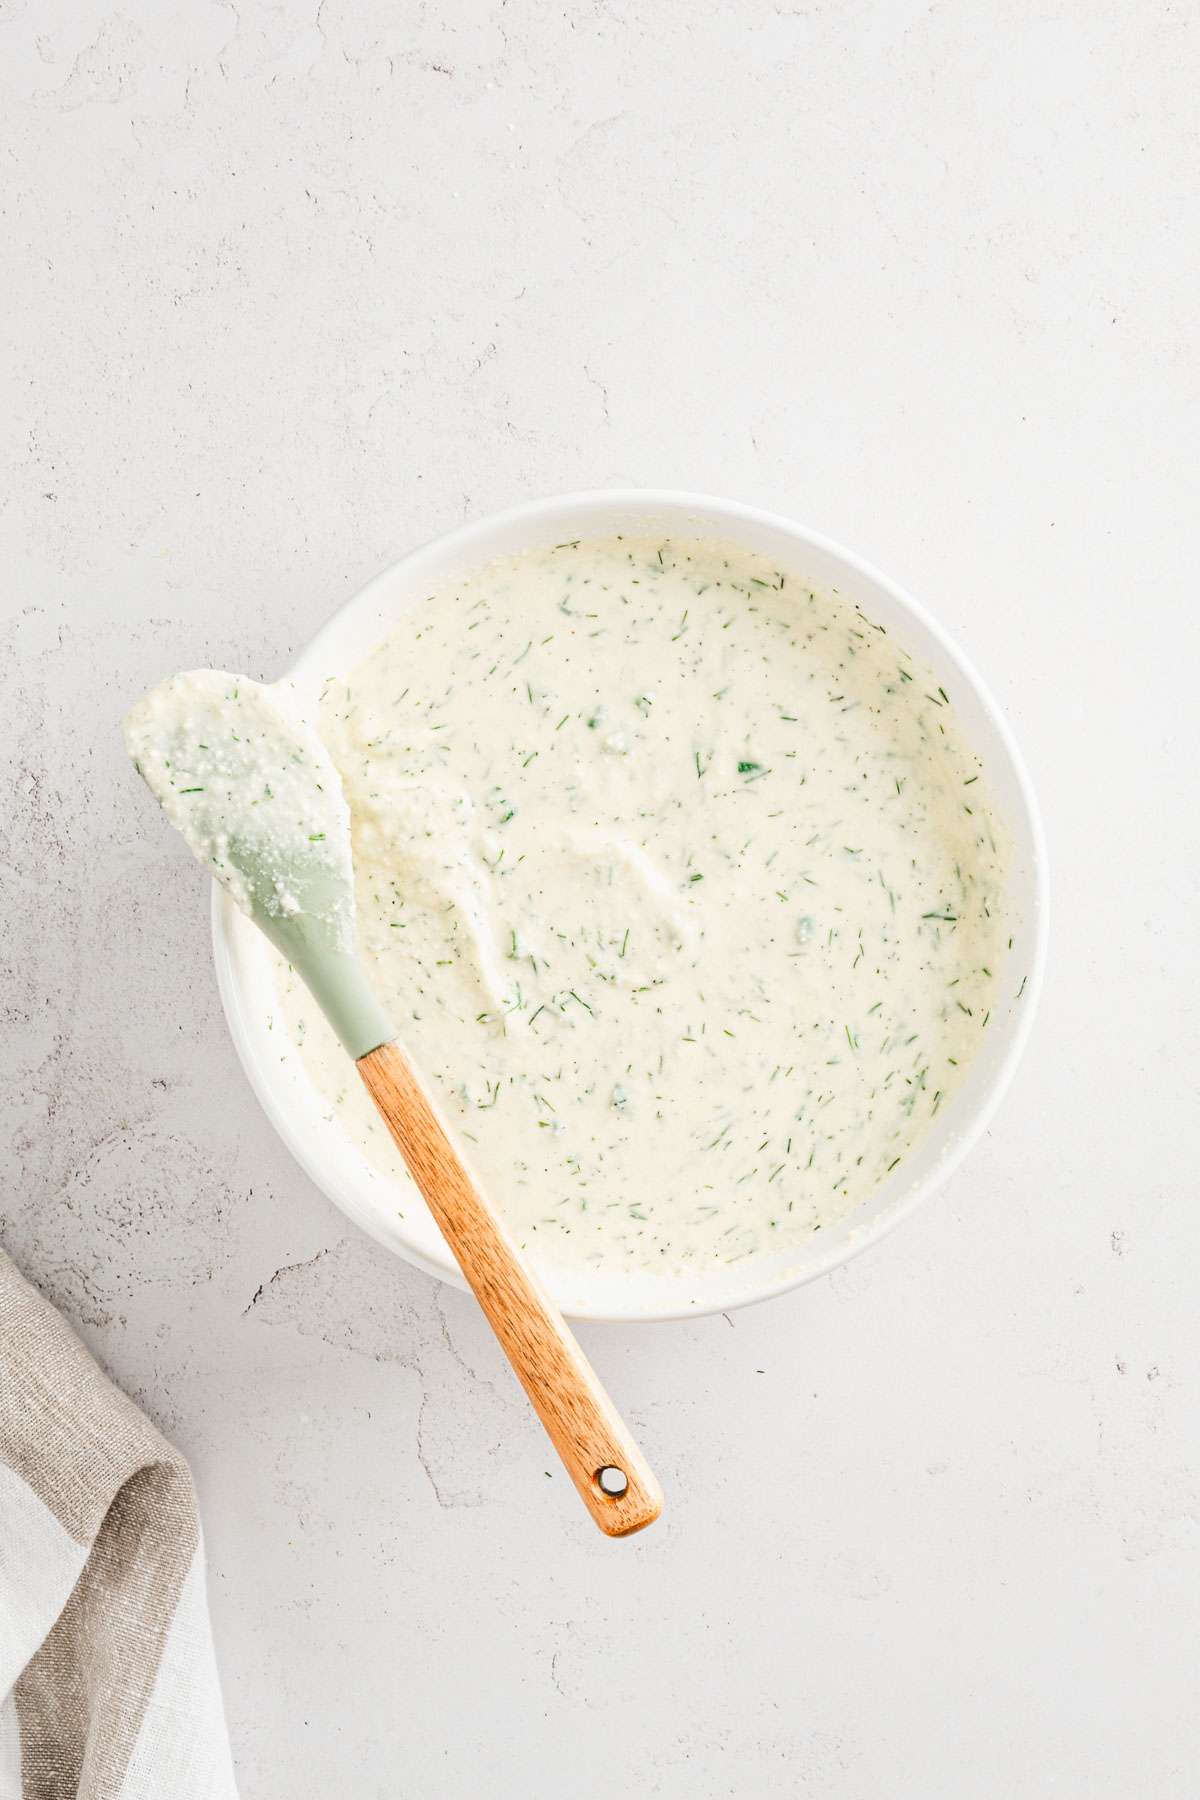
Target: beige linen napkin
[(108, 1685)]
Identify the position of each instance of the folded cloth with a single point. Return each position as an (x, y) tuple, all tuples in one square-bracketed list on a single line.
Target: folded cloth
[(108, 1684)]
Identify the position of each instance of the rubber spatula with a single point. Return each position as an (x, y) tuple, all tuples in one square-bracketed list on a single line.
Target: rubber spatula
[(255, 794)]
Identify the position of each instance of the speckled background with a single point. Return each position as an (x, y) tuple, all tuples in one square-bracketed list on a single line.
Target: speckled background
[(288, 287)]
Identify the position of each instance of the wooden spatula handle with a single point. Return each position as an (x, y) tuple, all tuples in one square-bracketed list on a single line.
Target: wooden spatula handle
[(584, 1426)]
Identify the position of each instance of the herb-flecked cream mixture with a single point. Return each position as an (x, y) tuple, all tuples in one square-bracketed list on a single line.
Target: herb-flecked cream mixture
[(682, 886)]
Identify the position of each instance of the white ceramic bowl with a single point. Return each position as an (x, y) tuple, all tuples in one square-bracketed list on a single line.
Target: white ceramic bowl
[(244, 968)]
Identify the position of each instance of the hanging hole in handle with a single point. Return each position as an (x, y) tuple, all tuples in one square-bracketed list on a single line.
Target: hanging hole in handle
[(612, 1481)]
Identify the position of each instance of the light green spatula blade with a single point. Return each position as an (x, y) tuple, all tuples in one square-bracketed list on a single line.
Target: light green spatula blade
[(253, 791)]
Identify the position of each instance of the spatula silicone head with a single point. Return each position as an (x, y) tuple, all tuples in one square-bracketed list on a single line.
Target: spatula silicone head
[(254, 793)]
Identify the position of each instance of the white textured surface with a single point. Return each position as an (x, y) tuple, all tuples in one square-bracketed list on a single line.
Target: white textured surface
[(288, 287)]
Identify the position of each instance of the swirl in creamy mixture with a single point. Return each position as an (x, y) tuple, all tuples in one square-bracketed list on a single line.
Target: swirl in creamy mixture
[(682, 887)]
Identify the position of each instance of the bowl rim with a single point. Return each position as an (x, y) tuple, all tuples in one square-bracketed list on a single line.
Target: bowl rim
[(460, 540)]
